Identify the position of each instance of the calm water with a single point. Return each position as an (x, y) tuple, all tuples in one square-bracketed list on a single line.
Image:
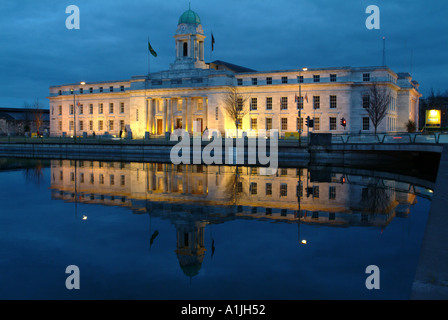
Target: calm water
[(158, 231)]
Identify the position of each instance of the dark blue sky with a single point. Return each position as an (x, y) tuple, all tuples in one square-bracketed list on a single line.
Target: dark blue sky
[(37, 50)]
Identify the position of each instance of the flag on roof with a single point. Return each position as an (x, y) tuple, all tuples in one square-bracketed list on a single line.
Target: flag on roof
[(151, 50)]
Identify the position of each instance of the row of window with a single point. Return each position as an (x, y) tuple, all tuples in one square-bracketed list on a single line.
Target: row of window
[(92, 178), (91, 109), (300, 79), (314, 191), (100, 127), (90, 90), (299, 124), (284, 102)]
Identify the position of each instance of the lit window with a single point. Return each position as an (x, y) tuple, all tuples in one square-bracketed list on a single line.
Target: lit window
[(253, 123), (332, 123), (268, 123), (269, 103), (316, 102), (268, 189), (284, 103), (333, 102), (253, 104), (284, 124), (332, 193), (283, 190), (253, 188), (316, 124)]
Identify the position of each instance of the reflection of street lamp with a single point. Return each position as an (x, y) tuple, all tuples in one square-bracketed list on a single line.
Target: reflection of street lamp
[(300, 105), (298, 189), (74, 109)]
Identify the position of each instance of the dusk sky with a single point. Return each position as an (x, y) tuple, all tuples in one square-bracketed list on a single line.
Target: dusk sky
[(38, 51)]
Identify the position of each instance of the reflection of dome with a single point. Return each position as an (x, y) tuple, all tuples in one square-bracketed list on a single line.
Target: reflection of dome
[(189, 16), (190, 265)]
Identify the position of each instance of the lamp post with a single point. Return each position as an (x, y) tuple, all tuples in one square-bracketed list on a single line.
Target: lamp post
[(300, 104), (74, 110)]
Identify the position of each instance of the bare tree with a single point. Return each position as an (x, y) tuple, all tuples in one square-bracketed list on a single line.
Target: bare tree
[(235, 105), (376, 198), (233, 190), (27, 120), (378, 102), (38, 114)]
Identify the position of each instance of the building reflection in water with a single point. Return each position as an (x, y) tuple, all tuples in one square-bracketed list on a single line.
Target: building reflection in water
[(194, 196)]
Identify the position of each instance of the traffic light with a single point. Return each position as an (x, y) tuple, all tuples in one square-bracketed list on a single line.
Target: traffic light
[(309, 122), (343, 122), (309, 191)]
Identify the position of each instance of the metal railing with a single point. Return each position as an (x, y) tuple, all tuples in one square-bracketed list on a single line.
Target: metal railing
[(387, 138), (349, 138)]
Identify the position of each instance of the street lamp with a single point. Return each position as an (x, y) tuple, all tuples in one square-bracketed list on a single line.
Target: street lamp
[(300, 105), (74, 109)]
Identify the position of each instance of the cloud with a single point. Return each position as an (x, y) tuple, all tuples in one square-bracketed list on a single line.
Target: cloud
[(37, 50)]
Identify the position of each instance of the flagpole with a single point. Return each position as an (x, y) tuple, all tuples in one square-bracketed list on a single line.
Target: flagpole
[(149, 58), (211, 49)]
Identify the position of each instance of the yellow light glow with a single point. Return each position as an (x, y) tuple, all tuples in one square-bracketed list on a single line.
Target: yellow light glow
[(433, 117), (84, 217), (305, 69), (82, 83), (303, 241)]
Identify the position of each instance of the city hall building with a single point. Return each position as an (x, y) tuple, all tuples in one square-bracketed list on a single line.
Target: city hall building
[(190, 95)]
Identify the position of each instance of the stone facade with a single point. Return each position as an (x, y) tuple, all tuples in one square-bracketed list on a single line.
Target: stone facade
[(190, 96)]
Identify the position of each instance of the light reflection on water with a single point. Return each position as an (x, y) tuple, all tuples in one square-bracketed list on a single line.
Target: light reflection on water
[(159, 231)]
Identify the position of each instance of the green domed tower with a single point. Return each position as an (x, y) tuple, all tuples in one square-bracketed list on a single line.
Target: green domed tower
[(189, 39)]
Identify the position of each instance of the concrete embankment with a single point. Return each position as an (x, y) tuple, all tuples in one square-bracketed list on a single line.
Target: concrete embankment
[(288, 152), (148, 151), (431, 279)]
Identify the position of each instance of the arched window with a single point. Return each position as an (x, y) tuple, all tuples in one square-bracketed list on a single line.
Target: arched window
[(185, 49)]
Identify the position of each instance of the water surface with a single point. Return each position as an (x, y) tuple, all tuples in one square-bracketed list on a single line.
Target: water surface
[(159, 231)]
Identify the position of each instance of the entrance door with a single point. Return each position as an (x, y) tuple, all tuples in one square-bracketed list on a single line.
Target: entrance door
[(159, 126), (199, 125), (179, 123)]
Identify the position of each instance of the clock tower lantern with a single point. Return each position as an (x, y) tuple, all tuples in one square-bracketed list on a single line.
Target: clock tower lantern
[(189, 39)]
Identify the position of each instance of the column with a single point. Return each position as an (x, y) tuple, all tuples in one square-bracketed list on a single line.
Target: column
[(184, 113), (151, 177), (152, 115), (204, 112), (169, 115), (164, 115), (189, 116), (148, 115)]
